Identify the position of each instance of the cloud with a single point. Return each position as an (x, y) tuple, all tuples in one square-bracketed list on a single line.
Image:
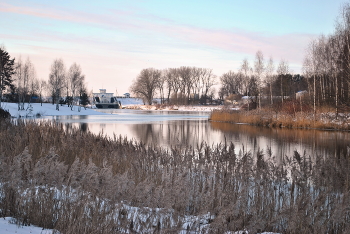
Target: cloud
[(148, 28), (117, 44)]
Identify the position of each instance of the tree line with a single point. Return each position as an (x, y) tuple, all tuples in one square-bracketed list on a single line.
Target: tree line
[(183, 85), (327, 65), (193, 85), (20, 80)]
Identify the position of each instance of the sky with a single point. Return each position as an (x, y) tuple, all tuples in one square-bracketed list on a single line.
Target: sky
[(113, 40)]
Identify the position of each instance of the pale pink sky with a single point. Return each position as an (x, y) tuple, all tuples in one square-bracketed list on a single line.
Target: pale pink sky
[(113, 41)]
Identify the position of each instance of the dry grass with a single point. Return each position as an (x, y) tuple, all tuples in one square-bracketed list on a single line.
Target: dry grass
[(76, 182), (271, 118)]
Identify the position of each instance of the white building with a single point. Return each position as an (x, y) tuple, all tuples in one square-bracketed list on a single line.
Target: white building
[(103, 97), (106, 100)]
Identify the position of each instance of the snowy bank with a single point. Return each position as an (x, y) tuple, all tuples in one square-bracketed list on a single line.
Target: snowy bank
[(174, 108), (7, 226), (46, 109)]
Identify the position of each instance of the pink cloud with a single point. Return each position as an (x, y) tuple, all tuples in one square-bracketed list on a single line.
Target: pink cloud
[(150, 30), (235, 40)]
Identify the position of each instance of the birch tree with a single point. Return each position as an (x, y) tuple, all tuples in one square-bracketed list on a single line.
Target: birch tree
[(259, 71), (270, 78), (246, 71), (57, 80), (282, 71), (76, 82)]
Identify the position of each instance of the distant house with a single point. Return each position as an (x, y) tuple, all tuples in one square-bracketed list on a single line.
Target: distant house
[(126, 95), (103, 97), (105, 100)]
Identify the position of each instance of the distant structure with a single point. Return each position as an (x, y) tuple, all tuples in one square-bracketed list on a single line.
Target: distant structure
[(106, 100), (301, 94), (126, 95)]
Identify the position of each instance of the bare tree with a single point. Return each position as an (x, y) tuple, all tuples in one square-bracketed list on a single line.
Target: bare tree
[(41, 88), (146, 84), (270, 78), (33, 82), (208, 80), (197, 82), (57, 80), (246, 71), (282, 71), (27, 84), (185, 74), (161, 87), (75, 82), (21, 83), (176, 84), (169, 79), (229, 83), (259, 71)]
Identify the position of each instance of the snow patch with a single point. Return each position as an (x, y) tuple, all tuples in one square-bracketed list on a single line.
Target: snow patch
[(7, 226)]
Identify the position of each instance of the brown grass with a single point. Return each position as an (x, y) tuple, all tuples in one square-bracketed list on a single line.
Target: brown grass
[(77, 182), (271, 118)]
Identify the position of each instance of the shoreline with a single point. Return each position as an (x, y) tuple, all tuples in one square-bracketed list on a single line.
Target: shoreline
[(46, 109), (194, 108), (49, 109), (282, 120)]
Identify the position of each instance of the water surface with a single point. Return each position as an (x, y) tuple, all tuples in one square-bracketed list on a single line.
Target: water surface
[(177, 128)]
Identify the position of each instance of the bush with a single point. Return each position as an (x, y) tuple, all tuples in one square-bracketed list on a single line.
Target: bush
[(4, 114)]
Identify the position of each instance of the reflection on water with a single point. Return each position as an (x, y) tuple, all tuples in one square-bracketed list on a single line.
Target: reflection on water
[(192, 128), (175, 133), (285, 141)]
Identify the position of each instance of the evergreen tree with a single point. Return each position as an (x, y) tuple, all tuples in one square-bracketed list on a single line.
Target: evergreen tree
[(6, 71), (84, 99)]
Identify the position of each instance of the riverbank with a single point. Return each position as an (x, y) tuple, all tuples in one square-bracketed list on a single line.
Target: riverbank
[(198, 108), (46, 109), (271, 118)]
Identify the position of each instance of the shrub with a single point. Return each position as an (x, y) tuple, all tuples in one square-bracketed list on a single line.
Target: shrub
[(4, 114)]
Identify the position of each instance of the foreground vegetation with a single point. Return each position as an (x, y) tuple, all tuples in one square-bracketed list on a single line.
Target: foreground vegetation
[(77, 182)]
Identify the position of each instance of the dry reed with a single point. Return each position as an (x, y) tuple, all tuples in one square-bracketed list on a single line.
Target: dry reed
[(271, 118)]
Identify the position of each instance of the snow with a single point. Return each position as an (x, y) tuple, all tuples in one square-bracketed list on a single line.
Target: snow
[(47, 109), (130, 101), (198, 108), (7, 226)]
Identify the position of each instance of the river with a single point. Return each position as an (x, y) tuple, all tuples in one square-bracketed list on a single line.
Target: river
[(178, 128)]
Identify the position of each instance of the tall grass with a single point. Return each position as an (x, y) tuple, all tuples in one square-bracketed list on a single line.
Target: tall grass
[(271, 118), (78, 182)]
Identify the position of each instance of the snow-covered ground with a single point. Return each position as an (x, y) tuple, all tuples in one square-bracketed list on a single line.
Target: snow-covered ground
[(175, 107), (130, 101), (47, 109), (7, 226), (135, 103)]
